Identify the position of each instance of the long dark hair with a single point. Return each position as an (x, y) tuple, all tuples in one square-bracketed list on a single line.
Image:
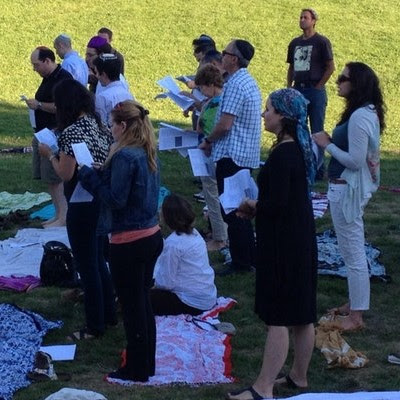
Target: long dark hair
[(365, 89), (72, 100), (289, 127)]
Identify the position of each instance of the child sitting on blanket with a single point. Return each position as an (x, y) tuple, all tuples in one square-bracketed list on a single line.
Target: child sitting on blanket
[(184, 279)]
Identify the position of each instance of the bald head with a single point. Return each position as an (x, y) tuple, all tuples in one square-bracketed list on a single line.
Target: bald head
[(43, 61)]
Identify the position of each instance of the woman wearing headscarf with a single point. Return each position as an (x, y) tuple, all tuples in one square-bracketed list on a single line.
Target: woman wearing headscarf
[(286, 275), (353, 176)]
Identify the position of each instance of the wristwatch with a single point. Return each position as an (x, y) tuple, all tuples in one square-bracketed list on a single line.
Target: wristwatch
[(39, 106)]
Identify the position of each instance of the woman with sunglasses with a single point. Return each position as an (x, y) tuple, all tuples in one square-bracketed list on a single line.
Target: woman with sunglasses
[(127, 186), (353, 176)]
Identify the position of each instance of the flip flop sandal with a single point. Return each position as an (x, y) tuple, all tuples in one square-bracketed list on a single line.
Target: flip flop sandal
[(82, 334), (289, 383), (236, 394)]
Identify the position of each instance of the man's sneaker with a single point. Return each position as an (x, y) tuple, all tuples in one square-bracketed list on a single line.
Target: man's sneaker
[(199, 197), (226, 254), (394, 358)]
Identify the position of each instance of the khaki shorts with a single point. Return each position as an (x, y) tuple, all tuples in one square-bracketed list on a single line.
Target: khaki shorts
[(41, 166)]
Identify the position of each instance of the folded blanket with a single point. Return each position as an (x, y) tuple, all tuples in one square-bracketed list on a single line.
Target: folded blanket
[(12, 202)]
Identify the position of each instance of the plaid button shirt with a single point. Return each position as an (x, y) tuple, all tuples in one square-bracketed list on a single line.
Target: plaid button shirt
[(240, 97)]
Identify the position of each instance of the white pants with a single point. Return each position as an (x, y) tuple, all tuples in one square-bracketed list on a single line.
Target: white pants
[(350, 237)]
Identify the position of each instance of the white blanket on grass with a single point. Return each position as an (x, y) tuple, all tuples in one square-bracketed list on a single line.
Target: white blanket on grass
[(22, 254), (348, 396)]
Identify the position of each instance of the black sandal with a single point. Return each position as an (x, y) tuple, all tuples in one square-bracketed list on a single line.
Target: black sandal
[(290, 383), (254, 395)]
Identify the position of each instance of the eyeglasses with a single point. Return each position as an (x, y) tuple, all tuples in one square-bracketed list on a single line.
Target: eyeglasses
[(224, 53), (342, 78)]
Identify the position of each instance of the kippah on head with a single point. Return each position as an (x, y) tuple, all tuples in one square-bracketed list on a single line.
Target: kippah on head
[(96, 41), (245, 49)]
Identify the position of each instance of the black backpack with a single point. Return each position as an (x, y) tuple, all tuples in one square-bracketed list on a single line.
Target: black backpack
[(57, 267)]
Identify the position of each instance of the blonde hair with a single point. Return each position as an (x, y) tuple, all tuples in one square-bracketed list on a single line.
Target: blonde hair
[(138, 132)]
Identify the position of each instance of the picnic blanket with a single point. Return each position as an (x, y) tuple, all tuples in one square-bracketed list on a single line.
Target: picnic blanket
[(330, 262), (348, 396), (22, 254), (21, 332), (191, 352), (49, 211), (319, 204), (13, 202)]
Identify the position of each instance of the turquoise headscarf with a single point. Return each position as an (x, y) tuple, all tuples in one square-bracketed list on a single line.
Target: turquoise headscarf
[(293, 105)]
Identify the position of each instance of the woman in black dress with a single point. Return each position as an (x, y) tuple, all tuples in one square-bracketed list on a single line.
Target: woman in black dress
[(286, 246)]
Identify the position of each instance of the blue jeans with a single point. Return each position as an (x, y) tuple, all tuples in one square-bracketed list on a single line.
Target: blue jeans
[(316, 113), (88, 251)]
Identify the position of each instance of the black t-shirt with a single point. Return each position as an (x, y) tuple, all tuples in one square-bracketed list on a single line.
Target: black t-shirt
[(45, 94), (309, 57)]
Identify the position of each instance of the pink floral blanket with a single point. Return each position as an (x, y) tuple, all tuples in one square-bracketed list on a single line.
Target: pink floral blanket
[(191, 352)]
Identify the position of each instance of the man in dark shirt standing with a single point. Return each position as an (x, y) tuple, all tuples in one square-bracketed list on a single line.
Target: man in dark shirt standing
[(43, 62), (311, 65)]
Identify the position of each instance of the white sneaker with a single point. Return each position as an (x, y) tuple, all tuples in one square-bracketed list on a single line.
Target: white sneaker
[(394, 358)]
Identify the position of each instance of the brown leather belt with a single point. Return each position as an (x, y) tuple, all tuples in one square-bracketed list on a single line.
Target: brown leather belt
[(338, 181)]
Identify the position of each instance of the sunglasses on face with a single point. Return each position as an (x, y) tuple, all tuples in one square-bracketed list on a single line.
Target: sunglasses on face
[(342, 78), (227, 53)]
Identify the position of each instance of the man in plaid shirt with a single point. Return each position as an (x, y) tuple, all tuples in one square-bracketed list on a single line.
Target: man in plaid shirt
[(234, 143)]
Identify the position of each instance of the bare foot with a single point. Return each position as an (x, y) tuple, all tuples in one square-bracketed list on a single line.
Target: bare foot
[(351, 323), (214, 245), (56, 223), (342, 310), (49, 221)]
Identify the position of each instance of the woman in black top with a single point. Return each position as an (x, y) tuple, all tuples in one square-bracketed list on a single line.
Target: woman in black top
[(286, 246)]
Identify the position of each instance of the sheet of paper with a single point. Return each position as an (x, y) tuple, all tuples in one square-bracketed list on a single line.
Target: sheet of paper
[(181, 100), (236, 188), (168, 83), (198, 95), (173, 92), (61, 352), (48, 137), (171, 137), (32, 118), (80, 195), (82, 154), (200, 163)]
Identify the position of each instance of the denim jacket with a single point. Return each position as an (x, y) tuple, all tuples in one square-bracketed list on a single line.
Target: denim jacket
[(127, 189)]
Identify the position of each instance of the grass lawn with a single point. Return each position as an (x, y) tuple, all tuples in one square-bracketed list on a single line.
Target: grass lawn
[(155, 38)]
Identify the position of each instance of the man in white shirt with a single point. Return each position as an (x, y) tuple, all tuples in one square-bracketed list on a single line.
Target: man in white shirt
[(72, 62), (107, 69)]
